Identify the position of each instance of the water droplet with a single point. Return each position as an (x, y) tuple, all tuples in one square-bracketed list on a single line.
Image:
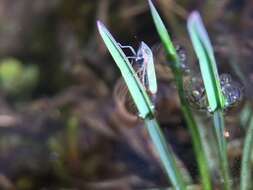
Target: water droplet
[(182, 55), (225, 78), (232, 92), (209, 109), (195, 92), (196, 95), (226, 134)]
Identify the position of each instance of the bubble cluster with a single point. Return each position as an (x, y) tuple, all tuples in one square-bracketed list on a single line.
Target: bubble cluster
[(196, 94), (231, 90), (182, 55), (225, 79)]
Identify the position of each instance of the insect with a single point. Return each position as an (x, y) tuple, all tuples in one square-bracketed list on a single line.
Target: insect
[(144, 63)]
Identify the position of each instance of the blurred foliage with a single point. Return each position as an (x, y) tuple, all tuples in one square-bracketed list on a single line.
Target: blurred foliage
[(16, 79)]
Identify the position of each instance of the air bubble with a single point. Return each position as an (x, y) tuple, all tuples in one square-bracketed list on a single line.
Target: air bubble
[(225, 78), (226, 134), (195, 93), (209, 109), (182, 55), (232, 93), (231, 90)]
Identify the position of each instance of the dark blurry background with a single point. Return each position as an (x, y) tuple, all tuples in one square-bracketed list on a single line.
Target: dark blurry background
[(63, 122)]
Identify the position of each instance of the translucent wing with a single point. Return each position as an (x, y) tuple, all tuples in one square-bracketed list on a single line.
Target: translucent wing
[(150, 68)]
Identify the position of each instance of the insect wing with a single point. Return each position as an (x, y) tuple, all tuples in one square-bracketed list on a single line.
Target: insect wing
[(150, 68), (151, 75)]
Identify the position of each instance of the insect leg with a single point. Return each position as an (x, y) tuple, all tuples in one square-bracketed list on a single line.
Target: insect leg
[(139, 72), (130, 57), (129, 47)]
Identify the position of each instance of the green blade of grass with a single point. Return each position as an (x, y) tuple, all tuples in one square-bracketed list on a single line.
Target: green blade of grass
[(191, 123), (164, 150), (210, 144), (165, 38), (145, 108), (218, 120), (209, 72), (136, 89), (246, 167), (245, 116), (204, 51)]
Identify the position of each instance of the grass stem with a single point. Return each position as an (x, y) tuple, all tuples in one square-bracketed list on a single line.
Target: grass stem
[(144, 107), (166, 154), (194, 131), (187, 113), (218, 120), (245, 164)]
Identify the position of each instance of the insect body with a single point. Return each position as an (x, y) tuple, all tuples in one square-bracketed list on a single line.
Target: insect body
[(144, 62)]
